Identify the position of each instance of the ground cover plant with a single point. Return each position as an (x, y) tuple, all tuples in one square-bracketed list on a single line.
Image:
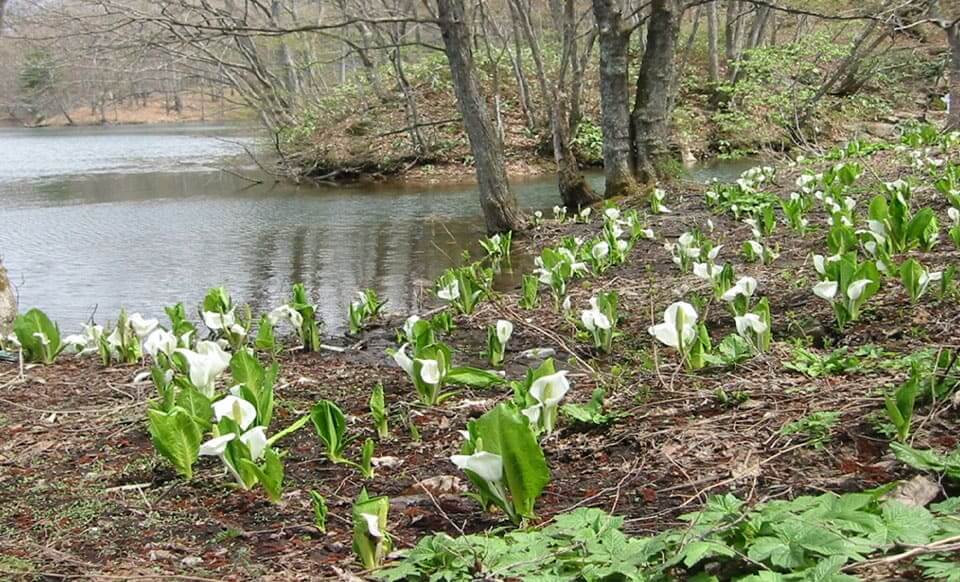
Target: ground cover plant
[(649, 404)]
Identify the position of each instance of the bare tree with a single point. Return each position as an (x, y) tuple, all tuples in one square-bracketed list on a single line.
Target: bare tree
[(500, 210)]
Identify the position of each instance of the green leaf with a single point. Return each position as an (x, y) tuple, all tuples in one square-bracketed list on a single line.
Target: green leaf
[(472, 377), (270, 475), (176, 437), (194, 403), (257, 383), (370, 548), (27, 326), (925, 460), (331, 426), (504, 431), (906, 524), (319, 511)]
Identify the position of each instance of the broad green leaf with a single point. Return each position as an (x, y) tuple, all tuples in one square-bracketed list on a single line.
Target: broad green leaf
[(473, 377), (270, 475), (504, 431), (28, 328), (176, 437)]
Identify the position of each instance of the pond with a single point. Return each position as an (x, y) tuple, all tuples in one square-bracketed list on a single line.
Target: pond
[(92, 219)]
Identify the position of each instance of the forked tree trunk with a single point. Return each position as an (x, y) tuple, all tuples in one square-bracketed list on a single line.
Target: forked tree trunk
[(615, 99), (656, 86), (500, 210)]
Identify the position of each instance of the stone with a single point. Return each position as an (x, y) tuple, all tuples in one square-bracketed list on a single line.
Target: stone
[(8, 303)]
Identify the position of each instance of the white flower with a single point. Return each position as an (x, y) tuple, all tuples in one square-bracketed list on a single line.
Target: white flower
[(160, 340), (238, 330), (855, 290), (819, 264), (669, 332), (750, 321), (218, 321), (533, 413), (926, 278), (538, 215), (504, 331), (402, 360), (373, 525), (648, 233), (205, 364), (600, 250), (744, 286), (215, 447), (449, 293), (236, 409), (549, 390), (707, 271), (430, 371), (566, 304), (594, 319), (256, 440), (287, 313), (825, 290), (714, 252), (954, 215), (140, 326), (487, 466), (612, 213), (755, 247), (585, 213)]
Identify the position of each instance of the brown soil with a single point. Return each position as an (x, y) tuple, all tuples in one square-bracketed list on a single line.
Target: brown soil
[(82, 493)]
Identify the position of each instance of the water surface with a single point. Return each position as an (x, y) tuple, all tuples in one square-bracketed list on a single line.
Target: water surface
[(92, 219)]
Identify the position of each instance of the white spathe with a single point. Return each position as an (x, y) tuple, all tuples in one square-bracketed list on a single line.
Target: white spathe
[(208, 362), (825, 290), (140, 326), (237, 409), (218, 321), (504, 331), (449, 293), (855, 290), (669, 332), (403, 360), (487, 466), (256, 441), (744, 286), (430, 371), (549, 390), (600, 250), (373, 525), (750, 322), (215, 447), (285, 313), (159, 341)]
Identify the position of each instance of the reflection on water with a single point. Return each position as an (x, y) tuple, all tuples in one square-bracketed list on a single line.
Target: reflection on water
[(93, 220)]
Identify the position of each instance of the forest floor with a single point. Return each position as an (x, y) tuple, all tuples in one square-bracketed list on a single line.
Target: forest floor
[(82, 493), (154, 111)]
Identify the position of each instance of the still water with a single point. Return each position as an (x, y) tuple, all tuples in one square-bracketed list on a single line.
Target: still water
[(92, 219)]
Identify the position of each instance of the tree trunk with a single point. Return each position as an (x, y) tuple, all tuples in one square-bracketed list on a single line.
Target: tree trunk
[(614, 99), (733, 26), (713, 56), (656, 86), (953, 112), (500, 210), (574, 189)]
